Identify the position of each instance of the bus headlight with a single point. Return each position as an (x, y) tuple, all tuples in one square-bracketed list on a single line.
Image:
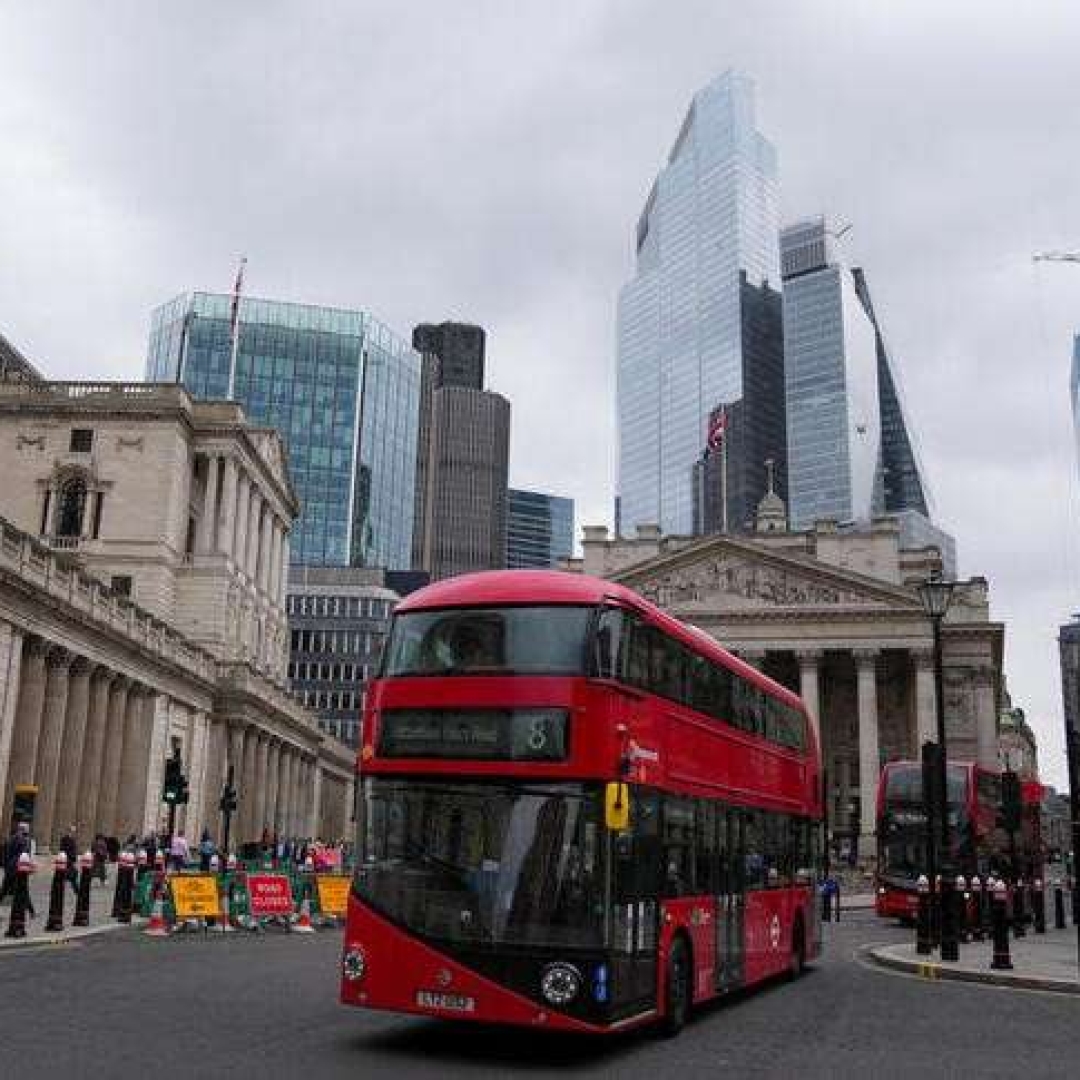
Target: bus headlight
[(353, 963), (560, 984)]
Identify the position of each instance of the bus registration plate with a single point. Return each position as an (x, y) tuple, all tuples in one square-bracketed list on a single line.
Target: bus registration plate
[(434, 999)]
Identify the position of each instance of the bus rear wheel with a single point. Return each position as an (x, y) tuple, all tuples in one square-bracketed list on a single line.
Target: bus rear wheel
[(798, 951), (677, 989)]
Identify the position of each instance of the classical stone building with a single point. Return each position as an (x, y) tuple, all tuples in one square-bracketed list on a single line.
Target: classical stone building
[(1018, 748), (835, 616), (143, 564)]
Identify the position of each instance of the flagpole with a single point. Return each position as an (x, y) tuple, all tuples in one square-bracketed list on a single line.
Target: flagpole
[(234, 335)]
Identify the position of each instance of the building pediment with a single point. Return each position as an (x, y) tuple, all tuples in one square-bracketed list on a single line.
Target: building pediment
[(722, 573)]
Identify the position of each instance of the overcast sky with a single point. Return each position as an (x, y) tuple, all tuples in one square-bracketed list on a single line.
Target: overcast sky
[(487, 161)]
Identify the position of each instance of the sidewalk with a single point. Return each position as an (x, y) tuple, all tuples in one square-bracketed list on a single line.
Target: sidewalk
[(101, 897), (1040, 962)]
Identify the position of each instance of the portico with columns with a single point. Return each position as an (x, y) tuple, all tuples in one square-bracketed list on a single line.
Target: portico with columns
[(836, 618)]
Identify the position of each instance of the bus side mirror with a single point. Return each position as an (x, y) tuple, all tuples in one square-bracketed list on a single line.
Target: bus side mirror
[(617, 806)]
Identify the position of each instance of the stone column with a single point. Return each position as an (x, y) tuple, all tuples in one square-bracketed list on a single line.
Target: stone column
[(316, 799), (284, 568), (273, 775), (240, 535), (47, 767), (208, 522), (869, 754), (93, 755), (160, 723), (810, 689), (261, 759), (71, 751), (227, 510), (925, 700), (262, 552), (986, 719), (214, 775), (273, 586), (285, 791), (27, 728), (11, 650), (134, 762), (248, 789), (254, 516), (108, 800)]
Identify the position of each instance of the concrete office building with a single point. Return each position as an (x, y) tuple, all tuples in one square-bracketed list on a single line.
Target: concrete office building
[(463, 451), (338, 621)]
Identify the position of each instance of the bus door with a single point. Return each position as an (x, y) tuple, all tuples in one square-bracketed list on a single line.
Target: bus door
[(731, 902), (634, 916)]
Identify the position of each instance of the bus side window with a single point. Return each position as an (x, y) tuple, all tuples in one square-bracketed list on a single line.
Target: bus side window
[(607, 654), (678, 850), (636, 635), (753, 850), (705, 842)]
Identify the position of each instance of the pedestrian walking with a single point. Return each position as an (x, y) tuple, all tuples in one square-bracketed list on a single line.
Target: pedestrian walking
[(179, 851), (18, 844), (207, 851), (100, 852), (69, 846)]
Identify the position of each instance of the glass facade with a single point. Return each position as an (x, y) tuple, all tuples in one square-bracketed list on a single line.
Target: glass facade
[(831, 374), (540, 530), (344, 392), (698, 319)]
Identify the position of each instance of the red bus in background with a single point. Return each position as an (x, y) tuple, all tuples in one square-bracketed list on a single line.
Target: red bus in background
[(980, 844), (575, 812)]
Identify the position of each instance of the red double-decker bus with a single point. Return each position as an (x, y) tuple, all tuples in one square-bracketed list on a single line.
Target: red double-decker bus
[(980, 844), (575, 812)]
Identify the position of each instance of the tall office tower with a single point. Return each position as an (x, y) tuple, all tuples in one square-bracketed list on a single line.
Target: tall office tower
[(540, 530), (831, 371), (699, 324), (851, 449), (460, 348), (343, 391), (463, 451)]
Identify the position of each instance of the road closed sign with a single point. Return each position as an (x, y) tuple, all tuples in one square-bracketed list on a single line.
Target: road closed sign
[(195, 896), (270, 894), (333, 893)]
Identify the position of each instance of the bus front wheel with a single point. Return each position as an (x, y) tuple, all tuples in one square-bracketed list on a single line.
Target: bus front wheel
[(677, 988)]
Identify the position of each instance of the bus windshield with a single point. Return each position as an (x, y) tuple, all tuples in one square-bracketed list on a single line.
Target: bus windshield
[(481, 863), (548, 640)]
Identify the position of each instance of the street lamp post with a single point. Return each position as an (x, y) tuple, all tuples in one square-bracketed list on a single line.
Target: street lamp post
[(936, 595)]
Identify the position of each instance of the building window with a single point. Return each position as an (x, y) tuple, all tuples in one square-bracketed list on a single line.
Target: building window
[(72, 506), (45, 512), (82, 440), (121, 584)]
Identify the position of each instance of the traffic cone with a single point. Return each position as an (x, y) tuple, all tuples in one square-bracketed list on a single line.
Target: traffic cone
[(156, 927), (224, 922), (303, 924)]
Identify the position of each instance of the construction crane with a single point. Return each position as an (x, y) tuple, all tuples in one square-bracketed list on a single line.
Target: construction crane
[(1056, 256)]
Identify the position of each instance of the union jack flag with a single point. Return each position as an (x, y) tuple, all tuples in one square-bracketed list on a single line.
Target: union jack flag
[(718, 420)]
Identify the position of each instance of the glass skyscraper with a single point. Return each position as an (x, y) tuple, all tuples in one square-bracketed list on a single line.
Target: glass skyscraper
[(831, 372), (699, 324), (344, 392), (540, 530)]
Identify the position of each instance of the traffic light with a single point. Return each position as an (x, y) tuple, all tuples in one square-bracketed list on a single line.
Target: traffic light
[(1012, 811), (175, 789), (227, 804)]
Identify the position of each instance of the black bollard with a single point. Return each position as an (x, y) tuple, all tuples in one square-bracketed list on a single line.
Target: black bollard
[(1038, 905), (1059, 908), (826, 904), (961, 900), (55, 921), (20, 898), (977, 892), (82, 901), (923, 943), (1018, 910), (1001, 960), (950, 943)]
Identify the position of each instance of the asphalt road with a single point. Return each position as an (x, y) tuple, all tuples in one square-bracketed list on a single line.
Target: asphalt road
[(125, 1005)]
